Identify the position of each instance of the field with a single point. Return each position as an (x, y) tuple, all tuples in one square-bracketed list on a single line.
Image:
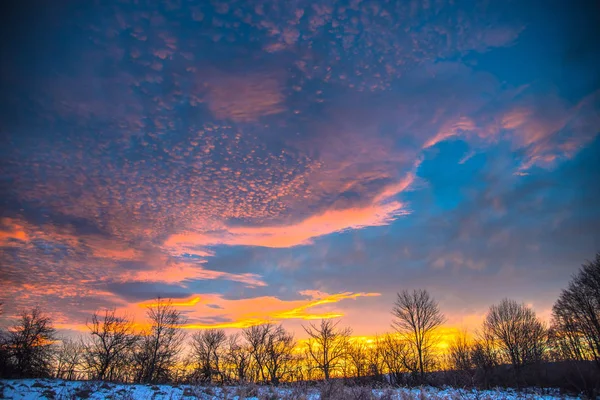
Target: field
[(30, 389)]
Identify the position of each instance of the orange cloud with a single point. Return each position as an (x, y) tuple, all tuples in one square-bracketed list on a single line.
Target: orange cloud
[(242, 313), (301, 233), (12, 231), (379, 212), (222, 313), (185, 303), (323, 298)]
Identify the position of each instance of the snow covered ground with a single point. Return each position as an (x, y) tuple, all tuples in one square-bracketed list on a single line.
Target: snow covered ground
[(29, 389)]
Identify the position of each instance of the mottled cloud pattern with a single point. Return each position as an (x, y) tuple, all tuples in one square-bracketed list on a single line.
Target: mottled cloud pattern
[(283, 161)]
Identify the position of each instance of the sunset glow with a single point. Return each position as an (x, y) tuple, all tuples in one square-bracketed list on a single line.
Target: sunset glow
[(287, 162)]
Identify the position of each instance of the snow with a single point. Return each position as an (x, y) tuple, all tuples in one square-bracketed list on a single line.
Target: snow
[(30, 389)]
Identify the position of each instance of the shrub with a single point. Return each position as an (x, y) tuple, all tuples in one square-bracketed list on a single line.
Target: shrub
[(247, 390)]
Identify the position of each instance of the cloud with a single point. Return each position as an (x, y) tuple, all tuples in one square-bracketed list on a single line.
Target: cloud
[(207, 311), (140, 159), (300, 233), (180, 272), (244, 98), (246, 312), (540, 125), (12, 233), (457, 260), (451, 129), (550, 130), (43, 262), (321, 299)]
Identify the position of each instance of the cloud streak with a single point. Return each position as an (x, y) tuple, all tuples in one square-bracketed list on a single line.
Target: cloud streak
[(255, 311)]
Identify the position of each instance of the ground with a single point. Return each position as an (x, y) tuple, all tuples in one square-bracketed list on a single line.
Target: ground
[(30, 389)]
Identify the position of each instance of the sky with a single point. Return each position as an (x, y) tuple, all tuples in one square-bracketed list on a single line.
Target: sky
[(288, 161)]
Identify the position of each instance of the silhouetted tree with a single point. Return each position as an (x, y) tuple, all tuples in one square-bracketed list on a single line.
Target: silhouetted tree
[(5, 369), (208, 346), (297, 366), (395, 354), (485, 356), (327, 345), (109, 349), (375, 361), (68, 359), (460, 353), (460, 359), (279, 348), (183, 370), (576, 315), (417, 316), (256, 336), (516, 330), (158, 349), (30, 344), (237, 358), (357, 354)]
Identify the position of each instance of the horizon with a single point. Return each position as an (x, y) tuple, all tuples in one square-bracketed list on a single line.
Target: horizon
[(290, 162)]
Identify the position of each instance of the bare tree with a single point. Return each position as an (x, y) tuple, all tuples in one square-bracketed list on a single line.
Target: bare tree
[(417, 316), (459, 356), (30, 344), (256, 336), (183, 370), (358, 358), (237, 358), (460, 353), (567, 343), (485, 356), (517, 331), (5, 367), (395, 354), (208, 346), (109, 349), (69, 356), (576, 315), (158, 348), (327, 345), (375, 359), (297, 367), (279, 348)]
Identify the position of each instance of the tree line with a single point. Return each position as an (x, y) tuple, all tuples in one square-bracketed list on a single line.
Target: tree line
[(511, 346)]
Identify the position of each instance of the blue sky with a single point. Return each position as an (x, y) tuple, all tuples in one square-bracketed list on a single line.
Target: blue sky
[(288, 161)]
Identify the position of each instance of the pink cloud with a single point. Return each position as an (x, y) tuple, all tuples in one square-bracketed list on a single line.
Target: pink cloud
[(177, 272), (451, 129), (295, 234), (544, 127), (93, 260), (550, 130)]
